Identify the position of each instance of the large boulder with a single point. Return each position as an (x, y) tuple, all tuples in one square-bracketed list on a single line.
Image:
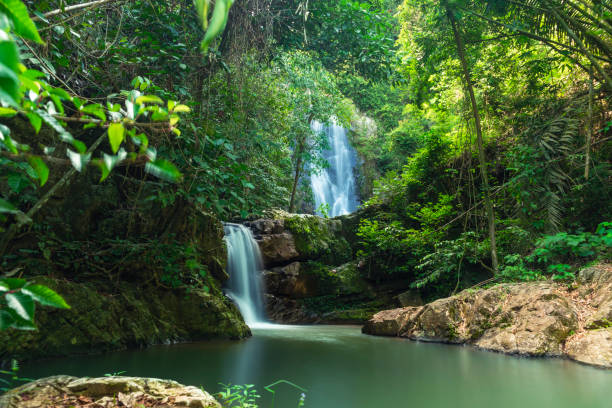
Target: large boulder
[(291, 281), (533, 319), (66, 391), (277, 249), (390, 322)]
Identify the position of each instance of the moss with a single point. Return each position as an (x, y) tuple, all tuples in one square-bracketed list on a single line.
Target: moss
[(319, 239), (131, 316)]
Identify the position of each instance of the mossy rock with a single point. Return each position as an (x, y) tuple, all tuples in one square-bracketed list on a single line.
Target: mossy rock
[(318, 239), (130, 316)]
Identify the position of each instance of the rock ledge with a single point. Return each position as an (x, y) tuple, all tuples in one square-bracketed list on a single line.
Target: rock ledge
[(530, 319)]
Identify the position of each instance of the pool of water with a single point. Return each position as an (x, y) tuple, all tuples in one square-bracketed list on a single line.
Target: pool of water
[(341, 368)]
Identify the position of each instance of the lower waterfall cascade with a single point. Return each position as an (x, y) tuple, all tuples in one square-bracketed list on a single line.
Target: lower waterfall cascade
[(244, 265)]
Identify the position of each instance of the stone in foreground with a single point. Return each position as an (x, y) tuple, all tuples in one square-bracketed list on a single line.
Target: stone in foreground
[(105, 392)]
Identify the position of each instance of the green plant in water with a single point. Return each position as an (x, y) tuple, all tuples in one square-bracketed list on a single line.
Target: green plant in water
[(239, 396), (273, 392), (246, 396), (115, 374), (9, 378)]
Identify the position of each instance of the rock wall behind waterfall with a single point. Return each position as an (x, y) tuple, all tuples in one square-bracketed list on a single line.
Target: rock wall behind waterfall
[(310, 275)]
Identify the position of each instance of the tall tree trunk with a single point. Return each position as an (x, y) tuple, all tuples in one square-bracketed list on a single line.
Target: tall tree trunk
[(589, 133), (481, 154)]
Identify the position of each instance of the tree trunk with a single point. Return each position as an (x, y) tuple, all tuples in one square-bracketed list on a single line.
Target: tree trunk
[(589, 135), (478, 125)]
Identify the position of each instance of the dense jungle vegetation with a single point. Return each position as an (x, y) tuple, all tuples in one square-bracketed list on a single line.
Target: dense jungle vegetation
[(482, 126)]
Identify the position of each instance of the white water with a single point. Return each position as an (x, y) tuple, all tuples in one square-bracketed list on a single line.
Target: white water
[(335, 185), (244, 266)]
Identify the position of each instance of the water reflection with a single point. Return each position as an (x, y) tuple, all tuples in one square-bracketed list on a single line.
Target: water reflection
[(341, 368)]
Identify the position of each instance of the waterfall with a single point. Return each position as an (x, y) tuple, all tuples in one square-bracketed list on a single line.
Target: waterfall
[(335, 185), (244, 265)]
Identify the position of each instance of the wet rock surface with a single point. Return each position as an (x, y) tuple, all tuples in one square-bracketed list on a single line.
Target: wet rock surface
[(531, 319), (105, 392)]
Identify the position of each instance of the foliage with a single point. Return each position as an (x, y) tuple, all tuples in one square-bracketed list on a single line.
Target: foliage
[(246, 396), (10, 378), (444, 266), (563, 253), (18, 301), (239, 396)]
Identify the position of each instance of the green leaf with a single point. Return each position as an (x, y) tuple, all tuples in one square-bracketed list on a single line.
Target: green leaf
[(96, 110), (163, 169), (40, 167), (6, 320), (149, 99), (182, 109), (22, 23), (7, 112), (116, 133), (5, 137), (104, 169), (35, 121), (10, 319), (45, 296), (22, 304), (79, 161), (13, 283), (9, 62), (7, 208)]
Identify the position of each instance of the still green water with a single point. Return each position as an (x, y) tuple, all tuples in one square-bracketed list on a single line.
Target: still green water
[(341, 368)]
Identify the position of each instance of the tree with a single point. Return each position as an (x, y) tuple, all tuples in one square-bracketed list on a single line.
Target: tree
[(477, 123), (313, 96)]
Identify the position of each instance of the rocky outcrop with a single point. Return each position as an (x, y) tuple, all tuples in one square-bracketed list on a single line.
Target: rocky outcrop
[(532, 319), (291, 281), (106, 392), (128, 317), (308, 276), (284, 238)]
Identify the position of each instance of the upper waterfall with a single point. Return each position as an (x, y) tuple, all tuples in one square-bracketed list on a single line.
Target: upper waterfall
[(244, 265), (335, 185)]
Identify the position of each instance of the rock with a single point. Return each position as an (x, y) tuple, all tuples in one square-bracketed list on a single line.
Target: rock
[(288, 311), (602, 317), (593, 347), (532, 319), (266, 227), (389, 322), (299, 237), (291, 281), (65, 391), (277, 249)]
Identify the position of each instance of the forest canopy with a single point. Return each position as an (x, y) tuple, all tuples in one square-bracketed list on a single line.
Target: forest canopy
[(488, 136)]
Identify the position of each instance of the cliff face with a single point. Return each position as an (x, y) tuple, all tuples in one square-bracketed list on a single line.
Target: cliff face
[(532, 319), (310, 276), (135, 270)]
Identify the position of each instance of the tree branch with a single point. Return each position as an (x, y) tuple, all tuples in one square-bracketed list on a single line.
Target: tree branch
[(68, 9)]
